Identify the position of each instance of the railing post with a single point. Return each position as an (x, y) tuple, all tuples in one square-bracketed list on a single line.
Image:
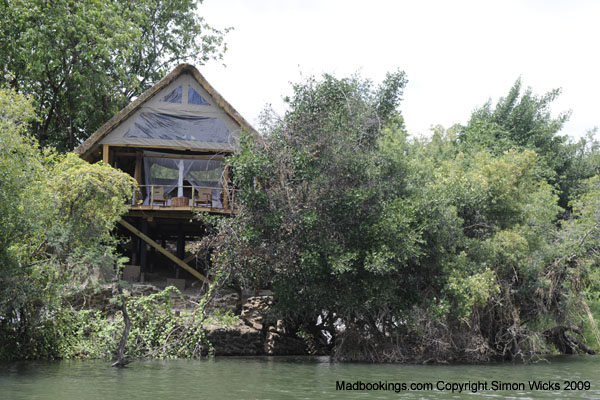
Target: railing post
[(225, 188)]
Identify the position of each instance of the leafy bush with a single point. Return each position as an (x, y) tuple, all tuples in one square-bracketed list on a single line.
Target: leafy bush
[(443, 249)]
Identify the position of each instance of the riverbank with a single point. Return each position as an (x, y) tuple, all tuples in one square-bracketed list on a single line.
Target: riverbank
[(163, 320)]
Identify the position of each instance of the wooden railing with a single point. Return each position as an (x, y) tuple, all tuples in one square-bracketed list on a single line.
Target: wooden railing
[(151, 196)]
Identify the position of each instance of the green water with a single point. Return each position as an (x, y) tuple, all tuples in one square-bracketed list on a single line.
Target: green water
[(285, 378)]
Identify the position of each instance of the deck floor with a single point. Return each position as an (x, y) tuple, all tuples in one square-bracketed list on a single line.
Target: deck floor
[(182, 208)]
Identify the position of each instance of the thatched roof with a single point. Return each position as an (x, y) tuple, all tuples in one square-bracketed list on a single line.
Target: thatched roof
[(93, 141)]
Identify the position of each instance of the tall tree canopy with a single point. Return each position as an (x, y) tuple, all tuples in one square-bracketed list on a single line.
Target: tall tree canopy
[(84, 60), (56, 215), (395, 249), (523, 120)]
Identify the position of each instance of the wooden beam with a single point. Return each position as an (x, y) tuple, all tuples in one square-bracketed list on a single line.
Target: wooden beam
[(105, 153), (174, 209), (180, 246), (146, 146), (176, 156), (187, 156), (138, 167), (164, 251), (143, 248), (225, 187), (137, 174)]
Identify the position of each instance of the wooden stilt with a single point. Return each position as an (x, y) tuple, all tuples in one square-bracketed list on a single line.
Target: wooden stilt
[(163, 251), (144, 248), (152, 259), (180, 247), (134, 250), (225, 188)]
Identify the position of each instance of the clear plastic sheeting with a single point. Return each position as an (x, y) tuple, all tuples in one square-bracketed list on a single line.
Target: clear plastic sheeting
[(195, 97), (183, 116), (172, 173), (174, 96), (149, 125)]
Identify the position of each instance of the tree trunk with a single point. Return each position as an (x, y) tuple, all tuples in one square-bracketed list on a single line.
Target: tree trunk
[(566, 343), (121, 360)]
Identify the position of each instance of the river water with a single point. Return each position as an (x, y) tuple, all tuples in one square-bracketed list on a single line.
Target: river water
[(297, 378)]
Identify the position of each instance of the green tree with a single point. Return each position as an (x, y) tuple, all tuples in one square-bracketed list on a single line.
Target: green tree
[(56, 215), (82, 61), (523, 120), (419, 249), (311, 202)]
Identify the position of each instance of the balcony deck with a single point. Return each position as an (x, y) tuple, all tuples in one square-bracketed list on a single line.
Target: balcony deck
[(175, 212), (212, 200)]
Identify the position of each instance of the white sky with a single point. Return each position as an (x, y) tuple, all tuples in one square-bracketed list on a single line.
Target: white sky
[(456, 54)]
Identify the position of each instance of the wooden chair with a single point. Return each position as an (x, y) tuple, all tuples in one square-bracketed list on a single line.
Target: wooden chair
[(158, 195), (203, 197)]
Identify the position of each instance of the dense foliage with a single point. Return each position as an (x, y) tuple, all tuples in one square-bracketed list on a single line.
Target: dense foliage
[(157, 330), (66, 67), (480, 242), (523, 120), (56, 215), (390, 249), (82, 61)]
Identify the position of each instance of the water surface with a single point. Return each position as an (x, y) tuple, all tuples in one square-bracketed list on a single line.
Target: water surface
[(292, 378)]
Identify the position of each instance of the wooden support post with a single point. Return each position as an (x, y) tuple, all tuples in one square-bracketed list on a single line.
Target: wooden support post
[(226, 188), (180, 246), (144, 249), (152, 258), (105, 153), (138, 174), (163, 251), (134, 250)]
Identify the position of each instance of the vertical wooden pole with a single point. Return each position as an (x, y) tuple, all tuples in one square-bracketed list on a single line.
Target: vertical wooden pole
[(105, 153), (180, 247), (226, 188), (138, 174), (144, 248), (134, 250), (152, 259)]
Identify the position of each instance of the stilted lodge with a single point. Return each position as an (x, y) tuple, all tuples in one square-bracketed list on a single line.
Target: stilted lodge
[(173, 140)]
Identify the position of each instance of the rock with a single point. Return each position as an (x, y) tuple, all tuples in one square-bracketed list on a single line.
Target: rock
[(225, 302), (240, 340), (279, 345), (280, 328), (255, 311), (256, 333)]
